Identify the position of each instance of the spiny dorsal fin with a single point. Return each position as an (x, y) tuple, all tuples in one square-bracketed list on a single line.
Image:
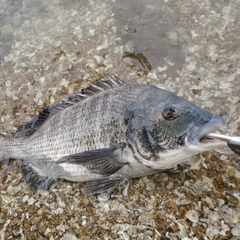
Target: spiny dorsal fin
[(30, 127)]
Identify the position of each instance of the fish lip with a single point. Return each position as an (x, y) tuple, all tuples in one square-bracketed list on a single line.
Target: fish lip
[(197, 133)]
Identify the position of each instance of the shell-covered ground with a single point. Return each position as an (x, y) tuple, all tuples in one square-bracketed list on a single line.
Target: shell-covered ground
[(51, 49)]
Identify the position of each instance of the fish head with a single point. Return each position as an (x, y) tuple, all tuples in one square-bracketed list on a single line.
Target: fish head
[(171, 130)]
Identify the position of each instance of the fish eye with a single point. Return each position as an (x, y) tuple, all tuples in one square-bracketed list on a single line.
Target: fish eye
[(170, 113)]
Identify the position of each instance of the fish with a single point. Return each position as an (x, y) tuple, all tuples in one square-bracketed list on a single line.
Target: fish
[(110, 132)]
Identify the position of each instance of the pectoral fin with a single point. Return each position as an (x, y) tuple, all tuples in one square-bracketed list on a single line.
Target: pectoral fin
[(105, 161), (101, 186)]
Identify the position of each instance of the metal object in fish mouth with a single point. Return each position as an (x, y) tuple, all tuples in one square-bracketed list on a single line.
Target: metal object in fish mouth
[(233, 142), (110, 132)]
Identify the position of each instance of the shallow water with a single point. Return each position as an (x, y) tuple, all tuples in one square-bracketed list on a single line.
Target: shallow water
[(48, 50)]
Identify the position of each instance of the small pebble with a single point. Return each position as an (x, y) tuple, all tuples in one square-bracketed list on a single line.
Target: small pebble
[(192, 216)]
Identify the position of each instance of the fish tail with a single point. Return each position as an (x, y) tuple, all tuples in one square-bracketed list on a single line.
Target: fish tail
[(12, 156), (10, 148), (5, 156)]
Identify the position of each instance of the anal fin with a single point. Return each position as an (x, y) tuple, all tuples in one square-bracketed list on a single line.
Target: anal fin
[(34, 179), (101, 186)]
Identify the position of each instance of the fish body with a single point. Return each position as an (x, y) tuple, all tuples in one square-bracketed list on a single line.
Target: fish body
[(110, 132)]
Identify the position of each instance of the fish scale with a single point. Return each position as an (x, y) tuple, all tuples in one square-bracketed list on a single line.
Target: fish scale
[(109, 132), (68, 130)]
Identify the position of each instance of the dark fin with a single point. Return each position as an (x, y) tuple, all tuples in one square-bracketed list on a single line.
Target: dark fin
[(30, 127), (5, 161), (101, 186), (114, 81), (104, 161), (34, 179), (9, 165)]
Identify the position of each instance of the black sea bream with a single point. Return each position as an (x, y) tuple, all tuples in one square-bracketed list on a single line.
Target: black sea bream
[(110, 132)]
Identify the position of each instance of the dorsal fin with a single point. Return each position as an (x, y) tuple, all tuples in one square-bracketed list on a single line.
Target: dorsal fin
[(30, 127)]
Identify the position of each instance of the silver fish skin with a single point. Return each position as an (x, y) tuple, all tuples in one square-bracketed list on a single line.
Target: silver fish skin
[(110, 132)]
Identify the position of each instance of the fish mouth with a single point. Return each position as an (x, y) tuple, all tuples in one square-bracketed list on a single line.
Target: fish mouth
[(198, 135)]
